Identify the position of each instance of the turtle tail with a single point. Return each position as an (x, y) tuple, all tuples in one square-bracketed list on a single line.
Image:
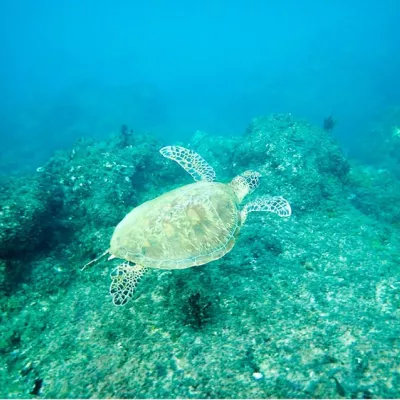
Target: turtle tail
[(95, 261)]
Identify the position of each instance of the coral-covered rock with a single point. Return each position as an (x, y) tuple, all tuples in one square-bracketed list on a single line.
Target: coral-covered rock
[(296, 159), (25, 215)]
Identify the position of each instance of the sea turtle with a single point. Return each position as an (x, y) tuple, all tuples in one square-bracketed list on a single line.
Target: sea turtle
[(188, 226)]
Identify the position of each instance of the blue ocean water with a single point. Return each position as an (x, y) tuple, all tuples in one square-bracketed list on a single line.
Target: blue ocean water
[(307, 93)]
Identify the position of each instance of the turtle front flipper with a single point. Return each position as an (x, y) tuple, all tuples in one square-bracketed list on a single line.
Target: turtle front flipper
[(275, 204), (191, 162), (125, 278)]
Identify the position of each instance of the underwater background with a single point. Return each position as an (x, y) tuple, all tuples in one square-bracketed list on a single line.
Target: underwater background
[(305, 92)]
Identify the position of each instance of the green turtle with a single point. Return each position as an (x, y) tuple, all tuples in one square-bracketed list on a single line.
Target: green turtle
[(188, 226)]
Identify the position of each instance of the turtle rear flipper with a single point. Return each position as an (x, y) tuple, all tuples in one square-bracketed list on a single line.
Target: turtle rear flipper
[(191, 162), (125, 278), (275, 204)]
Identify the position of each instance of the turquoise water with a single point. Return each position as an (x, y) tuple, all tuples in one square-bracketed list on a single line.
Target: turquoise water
[(304, 306)]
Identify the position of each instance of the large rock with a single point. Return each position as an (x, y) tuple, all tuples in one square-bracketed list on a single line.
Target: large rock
[(297, 160)]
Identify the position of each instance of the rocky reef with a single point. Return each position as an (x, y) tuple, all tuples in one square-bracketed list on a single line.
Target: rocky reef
[(301, 307)]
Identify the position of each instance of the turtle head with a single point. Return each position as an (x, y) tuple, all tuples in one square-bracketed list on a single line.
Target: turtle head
[(245, 183)]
